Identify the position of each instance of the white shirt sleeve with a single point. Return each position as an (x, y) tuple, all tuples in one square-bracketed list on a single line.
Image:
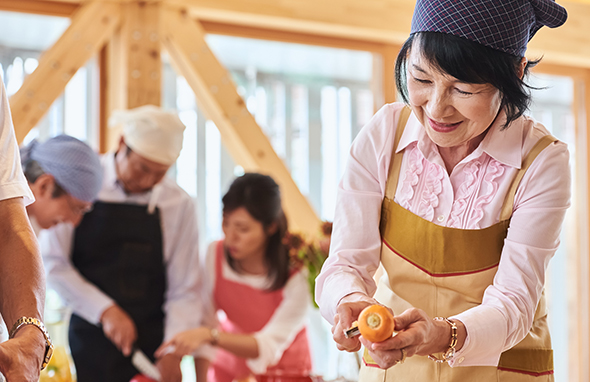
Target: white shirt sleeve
[(183, 302), (209, 316), (506, 313), (286, 322), (85, 299), (356, 242), (12, 180)]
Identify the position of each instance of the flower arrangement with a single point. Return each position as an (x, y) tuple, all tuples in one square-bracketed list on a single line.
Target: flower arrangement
[(309, 253)]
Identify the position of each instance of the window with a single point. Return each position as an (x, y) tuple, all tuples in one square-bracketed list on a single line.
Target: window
[(23, 38), (553, 107), (311, 102)]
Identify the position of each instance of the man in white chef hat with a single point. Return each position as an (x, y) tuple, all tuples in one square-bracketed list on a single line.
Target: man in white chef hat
[(129, 270)]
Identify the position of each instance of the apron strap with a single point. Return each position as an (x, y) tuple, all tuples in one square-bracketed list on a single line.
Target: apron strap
[(396, 157), (526, 163)]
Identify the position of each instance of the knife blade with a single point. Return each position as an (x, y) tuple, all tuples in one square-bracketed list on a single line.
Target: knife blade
[(144, 365)]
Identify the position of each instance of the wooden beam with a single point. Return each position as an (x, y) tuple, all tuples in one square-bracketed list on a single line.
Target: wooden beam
[(385, 21), (91, 26), (370, 20), (41, 7), (567, 45), (113, 89), (290, 36), (184, 40), (580, 351), (389, 56), (141, 39), (380, 21)]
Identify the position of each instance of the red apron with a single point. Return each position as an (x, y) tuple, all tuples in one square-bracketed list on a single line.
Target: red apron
[(248, 310)]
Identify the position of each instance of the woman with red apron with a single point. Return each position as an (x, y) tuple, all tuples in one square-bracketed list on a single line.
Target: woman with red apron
[(264, 301), (460, 198)]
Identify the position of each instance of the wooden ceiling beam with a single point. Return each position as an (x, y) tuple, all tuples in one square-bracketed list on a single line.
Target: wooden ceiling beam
[(218, 97), (40, 7), (92, 25), (385, 21), (223, 28), (380, 21)]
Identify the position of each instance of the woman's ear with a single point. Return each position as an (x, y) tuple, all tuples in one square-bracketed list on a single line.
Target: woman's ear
[(272, 229), (522, 67)]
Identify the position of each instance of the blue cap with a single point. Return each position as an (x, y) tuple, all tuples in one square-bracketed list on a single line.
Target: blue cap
[(505, 25), (73, 164)]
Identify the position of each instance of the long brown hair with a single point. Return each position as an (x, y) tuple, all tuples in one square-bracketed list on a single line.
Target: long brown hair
[(260, 196)]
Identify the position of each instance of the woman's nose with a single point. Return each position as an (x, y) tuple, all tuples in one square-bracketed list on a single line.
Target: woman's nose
[(438, 106)]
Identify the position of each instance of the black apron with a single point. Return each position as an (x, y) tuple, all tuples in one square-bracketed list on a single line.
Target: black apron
[(118, 248)]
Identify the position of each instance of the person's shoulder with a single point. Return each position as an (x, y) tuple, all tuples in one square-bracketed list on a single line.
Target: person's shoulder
[(533, 131), (386, 116), (172, 189)]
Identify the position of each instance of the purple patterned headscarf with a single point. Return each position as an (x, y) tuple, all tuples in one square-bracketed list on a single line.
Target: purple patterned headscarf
[(505, 25)]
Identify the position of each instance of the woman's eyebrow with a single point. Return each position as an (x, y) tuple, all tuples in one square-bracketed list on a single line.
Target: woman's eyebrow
[(419, 68)]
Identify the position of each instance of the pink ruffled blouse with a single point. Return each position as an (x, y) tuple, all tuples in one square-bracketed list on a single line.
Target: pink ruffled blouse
[(471, 197)]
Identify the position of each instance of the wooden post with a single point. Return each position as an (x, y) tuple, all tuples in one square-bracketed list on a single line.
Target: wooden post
[(141, 35)]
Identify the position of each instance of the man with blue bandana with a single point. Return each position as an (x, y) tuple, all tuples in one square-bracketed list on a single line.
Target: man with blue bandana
[(65, 176)]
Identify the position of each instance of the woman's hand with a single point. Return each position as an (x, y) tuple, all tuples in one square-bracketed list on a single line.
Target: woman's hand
[(169, 368), (347, 312), (416, 334), (185, 343)]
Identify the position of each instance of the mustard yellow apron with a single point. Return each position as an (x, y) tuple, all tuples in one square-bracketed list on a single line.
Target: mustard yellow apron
[(445, 271)]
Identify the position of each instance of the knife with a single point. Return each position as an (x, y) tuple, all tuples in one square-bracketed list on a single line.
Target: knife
[(353, 331), (144, 365)]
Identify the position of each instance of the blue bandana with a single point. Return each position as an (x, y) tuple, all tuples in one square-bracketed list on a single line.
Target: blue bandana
[(73, 164), (505, 25)]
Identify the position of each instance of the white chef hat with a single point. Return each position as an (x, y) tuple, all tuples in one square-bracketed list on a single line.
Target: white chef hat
[(151, 132)]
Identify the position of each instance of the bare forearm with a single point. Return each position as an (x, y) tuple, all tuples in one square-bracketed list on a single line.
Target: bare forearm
[(242, 345), (201, 368), (22, 280)]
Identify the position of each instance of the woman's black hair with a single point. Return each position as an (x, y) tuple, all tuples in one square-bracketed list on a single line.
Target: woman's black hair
[(470, 62), (260, 196)]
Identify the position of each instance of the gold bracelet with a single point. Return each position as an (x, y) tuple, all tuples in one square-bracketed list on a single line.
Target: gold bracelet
[(35, 322), (450, 353)]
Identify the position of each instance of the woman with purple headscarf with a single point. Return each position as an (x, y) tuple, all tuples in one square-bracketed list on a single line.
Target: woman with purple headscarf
[(460, 197)]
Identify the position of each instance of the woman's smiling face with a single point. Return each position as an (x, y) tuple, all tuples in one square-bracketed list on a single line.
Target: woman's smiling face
[(453, 113)]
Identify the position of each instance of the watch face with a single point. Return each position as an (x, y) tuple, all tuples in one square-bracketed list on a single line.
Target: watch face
[(48, 354)]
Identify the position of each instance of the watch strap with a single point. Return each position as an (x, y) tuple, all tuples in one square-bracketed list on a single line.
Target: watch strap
[(23, 321)]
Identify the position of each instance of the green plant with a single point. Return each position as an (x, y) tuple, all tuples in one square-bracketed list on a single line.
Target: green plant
[(309, 253)]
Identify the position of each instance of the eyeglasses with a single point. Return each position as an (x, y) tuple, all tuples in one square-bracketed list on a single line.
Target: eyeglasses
[(78, 208)]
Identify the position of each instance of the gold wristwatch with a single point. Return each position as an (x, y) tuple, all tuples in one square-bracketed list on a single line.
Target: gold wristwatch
[(35, 322)]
